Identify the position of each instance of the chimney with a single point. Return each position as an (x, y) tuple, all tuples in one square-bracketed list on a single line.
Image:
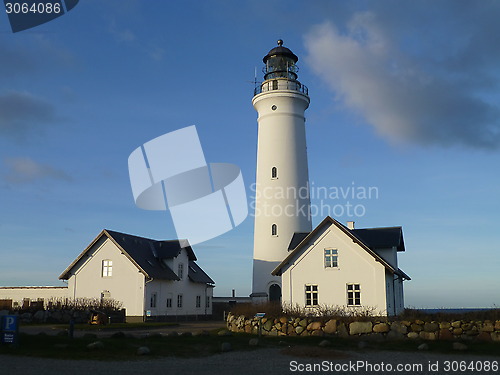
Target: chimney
[(350, 224), (234, 293)]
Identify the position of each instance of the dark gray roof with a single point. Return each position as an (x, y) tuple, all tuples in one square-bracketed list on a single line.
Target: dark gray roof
[(296, 239), (149, 255), (197, 275), (381, 238), (328, 221), (280, 50)]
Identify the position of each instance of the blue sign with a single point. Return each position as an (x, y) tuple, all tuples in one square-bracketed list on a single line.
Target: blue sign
[(9, 328)]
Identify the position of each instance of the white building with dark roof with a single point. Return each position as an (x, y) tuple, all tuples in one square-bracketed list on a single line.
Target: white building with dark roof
[(336, 265), (150, 277)]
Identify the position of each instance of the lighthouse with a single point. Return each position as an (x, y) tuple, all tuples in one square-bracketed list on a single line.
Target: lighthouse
[(282, 202)]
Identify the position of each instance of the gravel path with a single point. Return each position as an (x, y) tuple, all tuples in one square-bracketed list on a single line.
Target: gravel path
[(264, 361)]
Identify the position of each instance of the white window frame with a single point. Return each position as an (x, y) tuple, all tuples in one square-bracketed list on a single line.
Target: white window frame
[(331, 258), (169, 302), (107, 268), (353, 294), (311, 295), (179, 301), (207, 305), (198, 302)]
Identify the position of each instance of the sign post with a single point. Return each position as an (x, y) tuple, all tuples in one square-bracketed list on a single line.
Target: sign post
[(9, 329), (260, 316)]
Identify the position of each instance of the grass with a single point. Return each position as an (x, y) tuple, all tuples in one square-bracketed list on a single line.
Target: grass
[(116, 326), (123, 348)]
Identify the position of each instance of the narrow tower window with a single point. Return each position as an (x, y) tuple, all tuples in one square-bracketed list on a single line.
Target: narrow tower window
[(274, 230), (274, 172)]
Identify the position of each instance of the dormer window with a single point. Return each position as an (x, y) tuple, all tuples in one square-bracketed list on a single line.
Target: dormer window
[(274, 173), (180, 270)]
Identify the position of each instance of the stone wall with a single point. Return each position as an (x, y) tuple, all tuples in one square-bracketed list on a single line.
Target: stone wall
[(376, 329)]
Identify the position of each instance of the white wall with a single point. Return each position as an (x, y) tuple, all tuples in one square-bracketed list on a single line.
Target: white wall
[(125, 285), (281, 144), (355, 266), (34, 293), (189, 290)]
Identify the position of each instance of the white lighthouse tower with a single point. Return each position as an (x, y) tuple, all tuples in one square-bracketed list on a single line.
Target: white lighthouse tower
[(282, 204)]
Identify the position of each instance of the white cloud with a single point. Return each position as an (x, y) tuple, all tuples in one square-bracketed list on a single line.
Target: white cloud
[(406, 97), (26, 170)]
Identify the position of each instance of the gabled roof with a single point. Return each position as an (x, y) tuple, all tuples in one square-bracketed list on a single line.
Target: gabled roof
[(146, 254), (381, 238), (303, 238), (296, 239), (197, 275)]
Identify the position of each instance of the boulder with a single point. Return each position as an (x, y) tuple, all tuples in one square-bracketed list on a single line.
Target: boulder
[(314, 326), (444, 325), (413, 335), (330, 326), (431, 327), (423, 346), (267, 325), (143, 350), (299, 330), (399, 327), (416, 327), (488, 327), (445, 334), (495, 336), (342, 330), (381, 328), (456, 324), (428, 335), (356, 328)]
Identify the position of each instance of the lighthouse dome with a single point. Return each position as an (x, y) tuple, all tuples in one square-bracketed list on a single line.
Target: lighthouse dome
[(280, 51)]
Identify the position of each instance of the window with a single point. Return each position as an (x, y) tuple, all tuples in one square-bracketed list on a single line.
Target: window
[(331, 258), (179, 301), (353, 295), (311, 295), (274, 172), (180, 272), (274, 230), (153, 300), (207, 305), (198, 301), (107, 268), (169, 302)]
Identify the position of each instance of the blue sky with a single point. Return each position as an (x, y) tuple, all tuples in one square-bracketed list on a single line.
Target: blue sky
[(404, 98)]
